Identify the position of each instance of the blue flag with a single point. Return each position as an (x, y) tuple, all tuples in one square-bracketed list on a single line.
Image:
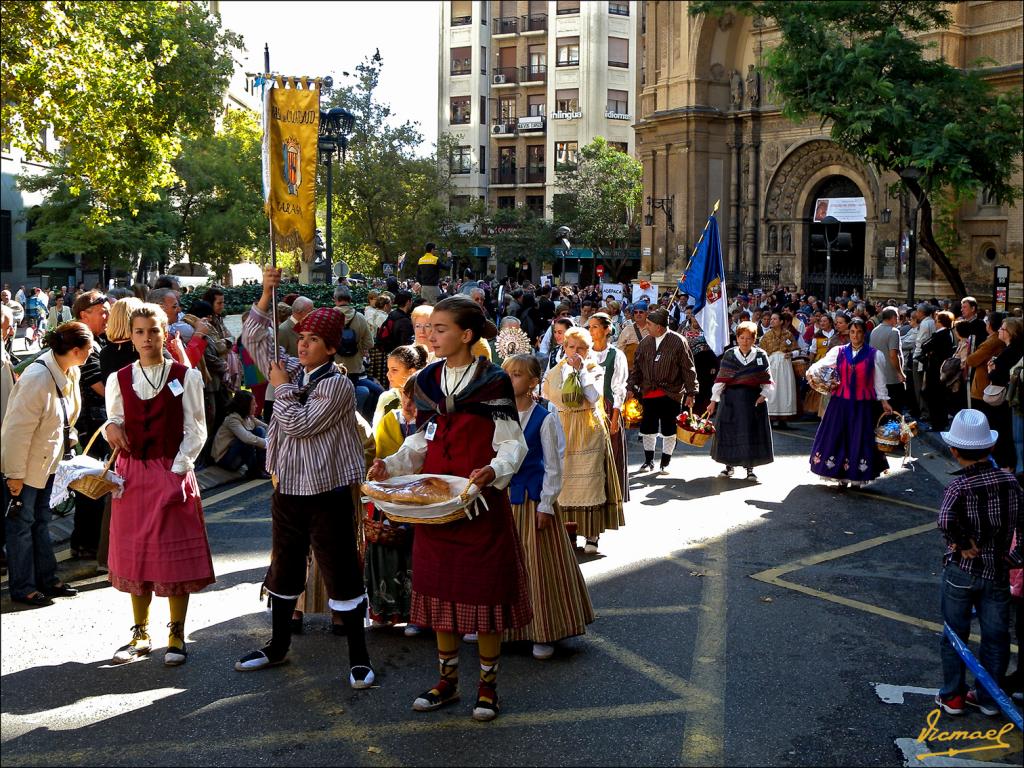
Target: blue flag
[(704, 281)]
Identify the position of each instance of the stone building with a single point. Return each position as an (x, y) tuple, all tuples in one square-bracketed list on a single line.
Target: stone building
[(709, 128)]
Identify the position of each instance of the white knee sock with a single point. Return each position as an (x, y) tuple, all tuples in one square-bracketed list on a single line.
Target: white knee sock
[(668, 444), (649, 441)]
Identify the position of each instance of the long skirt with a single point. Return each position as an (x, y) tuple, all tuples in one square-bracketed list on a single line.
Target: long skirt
[(618, 441), (469, 575), (743, 435), (157, 532), (591, 494), (782, 399), (558, 592), (388, 573), (844, 445)]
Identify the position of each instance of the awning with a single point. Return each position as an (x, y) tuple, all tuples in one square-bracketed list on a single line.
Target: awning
[(54, 262)]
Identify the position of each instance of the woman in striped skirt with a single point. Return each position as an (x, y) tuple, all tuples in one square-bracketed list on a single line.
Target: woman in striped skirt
[(558, 593)]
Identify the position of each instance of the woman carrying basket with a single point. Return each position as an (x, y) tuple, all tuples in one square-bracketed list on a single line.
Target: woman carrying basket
[(844, 445), (157, 532), (468, 575), (743, 435), (37, 434)]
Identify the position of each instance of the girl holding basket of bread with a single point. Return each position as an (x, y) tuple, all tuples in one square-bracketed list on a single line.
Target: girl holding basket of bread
[(468, 576)]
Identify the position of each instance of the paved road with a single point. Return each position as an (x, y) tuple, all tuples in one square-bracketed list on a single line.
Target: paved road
[(737, 624)]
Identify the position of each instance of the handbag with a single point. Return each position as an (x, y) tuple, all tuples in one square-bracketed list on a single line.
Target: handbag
[(994, 395)]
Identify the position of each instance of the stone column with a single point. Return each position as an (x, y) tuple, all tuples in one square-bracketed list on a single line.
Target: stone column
[(733, 238), (750, 207)]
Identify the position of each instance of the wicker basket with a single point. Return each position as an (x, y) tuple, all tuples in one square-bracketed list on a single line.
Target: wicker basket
[(388, 535), (886, 441), (95, 486), (690, 436)]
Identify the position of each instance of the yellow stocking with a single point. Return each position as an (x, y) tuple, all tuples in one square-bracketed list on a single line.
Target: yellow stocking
[(140, 609), (490, 650), (179, 608)]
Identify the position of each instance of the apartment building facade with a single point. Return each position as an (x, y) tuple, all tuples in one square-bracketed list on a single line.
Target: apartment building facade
[(524, 84)]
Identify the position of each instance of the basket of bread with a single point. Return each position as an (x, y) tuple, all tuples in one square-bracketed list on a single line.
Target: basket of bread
[(426, 499)]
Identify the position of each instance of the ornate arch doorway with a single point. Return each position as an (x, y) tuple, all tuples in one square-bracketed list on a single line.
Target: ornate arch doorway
[(847, 266)]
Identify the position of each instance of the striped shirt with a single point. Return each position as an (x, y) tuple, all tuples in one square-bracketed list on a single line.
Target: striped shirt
[(983, 504), (312, 447)]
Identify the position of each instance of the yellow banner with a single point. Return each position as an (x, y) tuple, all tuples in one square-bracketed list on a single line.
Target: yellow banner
[(292, 124)]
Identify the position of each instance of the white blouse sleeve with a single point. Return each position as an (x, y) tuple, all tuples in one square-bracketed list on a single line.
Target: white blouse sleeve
[(115, 404), (195, 423), (716, 391), (588, 379), (553, 442), (408, 460), (510, 449), (881, 388), (620, 377), (830, 358)]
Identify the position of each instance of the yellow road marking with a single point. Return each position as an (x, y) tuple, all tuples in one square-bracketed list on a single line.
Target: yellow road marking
[(627, 658), (773, 576), (703, 740), (237, 490), (648, 610)]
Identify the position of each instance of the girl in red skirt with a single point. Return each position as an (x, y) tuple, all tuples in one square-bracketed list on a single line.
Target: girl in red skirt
[(468, 576), (157, 533)]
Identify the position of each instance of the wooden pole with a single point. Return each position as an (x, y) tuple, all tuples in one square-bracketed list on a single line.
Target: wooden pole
[(270, 220), (675, 293)]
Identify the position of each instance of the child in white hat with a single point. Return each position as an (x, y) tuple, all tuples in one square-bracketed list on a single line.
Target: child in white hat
[(981, 510)]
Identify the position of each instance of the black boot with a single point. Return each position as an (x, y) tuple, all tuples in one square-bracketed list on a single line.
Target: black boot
[(648, 465), (361, 673), (276, 651), (665, 459)]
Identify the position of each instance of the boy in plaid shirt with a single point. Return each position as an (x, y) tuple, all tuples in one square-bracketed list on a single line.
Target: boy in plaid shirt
[(981, 511)]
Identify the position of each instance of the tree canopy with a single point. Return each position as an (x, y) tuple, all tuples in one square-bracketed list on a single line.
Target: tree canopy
[(119, 84), (387, 199), (861, 66), (600, 199)]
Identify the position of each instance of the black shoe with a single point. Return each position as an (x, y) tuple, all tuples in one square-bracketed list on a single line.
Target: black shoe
[(261, 659), (59, 590), (36, 600), (727, 472), (647, 466), (665, 459)]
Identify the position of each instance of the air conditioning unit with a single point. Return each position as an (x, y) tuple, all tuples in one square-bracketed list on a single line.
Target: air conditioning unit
[(497, 129), (499, 79)]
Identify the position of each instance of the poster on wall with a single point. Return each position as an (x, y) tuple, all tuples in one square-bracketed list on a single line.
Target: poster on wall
[(852, 209), (650, 292)]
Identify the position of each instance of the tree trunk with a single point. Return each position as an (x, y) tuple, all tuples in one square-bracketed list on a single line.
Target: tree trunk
[(926, 239)]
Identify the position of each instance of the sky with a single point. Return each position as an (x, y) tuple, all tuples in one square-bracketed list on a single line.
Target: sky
[(329, 38)]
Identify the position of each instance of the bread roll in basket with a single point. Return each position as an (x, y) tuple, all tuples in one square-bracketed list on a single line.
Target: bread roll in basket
[(424, 499)]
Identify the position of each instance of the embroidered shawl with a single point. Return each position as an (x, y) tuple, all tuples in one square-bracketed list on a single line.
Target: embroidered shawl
[(488, 394), (732, 372)]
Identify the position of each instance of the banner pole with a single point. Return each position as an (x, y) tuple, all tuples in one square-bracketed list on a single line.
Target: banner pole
[(675, 293), (270, 229)]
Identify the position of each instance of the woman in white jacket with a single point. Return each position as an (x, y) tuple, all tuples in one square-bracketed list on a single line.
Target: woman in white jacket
[(38, 431)]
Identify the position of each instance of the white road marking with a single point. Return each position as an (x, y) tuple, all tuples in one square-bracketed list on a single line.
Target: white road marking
[(893, 694)]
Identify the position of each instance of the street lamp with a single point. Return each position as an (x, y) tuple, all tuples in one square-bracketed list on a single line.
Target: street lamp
[(666, 204), (832, 237), (912, 174), (335, 126)]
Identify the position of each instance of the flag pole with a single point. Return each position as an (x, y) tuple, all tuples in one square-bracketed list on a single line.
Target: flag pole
[(675, 293), (270, 218)]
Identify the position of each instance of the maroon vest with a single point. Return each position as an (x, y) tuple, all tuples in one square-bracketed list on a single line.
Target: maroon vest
[(155, 427)]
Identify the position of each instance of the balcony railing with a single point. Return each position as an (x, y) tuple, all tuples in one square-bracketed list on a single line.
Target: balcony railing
[(535, 73), (532, 175), (461, 21), (504, 176), (531, 124), (505, 75), (623, 64), (537, 22), (506, 25), (461, 68)]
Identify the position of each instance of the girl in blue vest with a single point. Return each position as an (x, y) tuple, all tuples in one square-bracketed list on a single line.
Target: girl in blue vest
[(558, 593)]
